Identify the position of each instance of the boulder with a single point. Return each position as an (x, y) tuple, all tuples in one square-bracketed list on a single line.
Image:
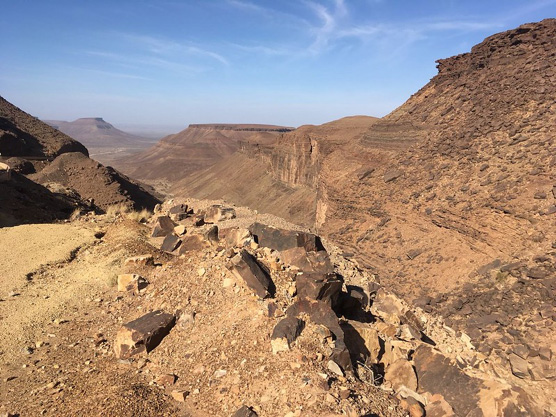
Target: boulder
[(215, 214), (143, 334), (362, 341), (238, 237), (179, 212), (246, 267), (318, 286), (282, 239), (163, 226), (285, 333), (193, 242), (171, 243), (438, 407)]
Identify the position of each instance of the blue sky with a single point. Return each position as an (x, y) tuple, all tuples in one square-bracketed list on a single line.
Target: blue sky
[(169, 62)]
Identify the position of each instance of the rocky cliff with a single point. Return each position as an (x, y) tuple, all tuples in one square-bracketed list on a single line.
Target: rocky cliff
[(196, 148)]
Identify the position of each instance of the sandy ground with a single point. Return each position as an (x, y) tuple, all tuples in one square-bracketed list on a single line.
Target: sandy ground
[(26, 248)]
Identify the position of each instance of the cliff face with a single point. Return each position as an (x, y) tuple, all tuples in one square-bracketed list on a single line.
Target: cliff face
[(195, 148)]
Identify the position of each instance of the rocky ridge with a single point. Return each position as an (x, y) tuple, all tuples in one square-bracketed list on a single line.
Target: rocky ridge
[(50, 175)]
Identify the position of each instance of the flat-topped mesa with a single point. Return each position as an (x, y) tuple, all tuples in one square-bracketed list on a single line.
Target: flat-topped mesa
[(241, 127)]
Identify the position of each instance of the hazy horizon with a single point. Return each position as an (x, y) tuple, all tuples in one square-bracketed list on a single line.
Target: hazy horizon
[(172, 63)]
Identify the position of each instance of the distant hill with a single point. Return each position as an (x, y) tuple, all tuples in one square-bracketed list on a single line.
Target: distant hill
[(105, 142), (196, 148), (52, 174)]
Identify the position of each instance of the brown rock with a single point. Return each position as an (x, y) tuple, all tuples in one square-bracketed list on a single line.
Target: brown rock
[(519, 366), (180, 395), (246, 267), (438, 407), (400, 373), (307, 261), (171, 243), (215, 214), (163, 226), (193, 242), (131, 282), (143, 334), (285, 333), (388, 307), (237, 237), (392, 174), (413, 407), (166, 379), (141, 260), (362, 341)]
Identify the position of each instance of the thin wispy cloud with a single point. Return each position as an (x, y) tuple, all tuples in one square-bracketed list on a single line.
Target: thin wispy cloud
[(170, 47)]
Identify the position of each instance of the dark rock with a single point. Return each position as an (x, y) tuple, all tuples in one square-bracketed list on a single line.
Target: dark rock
[(245, 411), (321, 313), (281, 239), (180, 208), (193, 242), (318, 286), (285, 333), (170, 243), (143, 334), (163, 226), (392, 174), (246, 267)]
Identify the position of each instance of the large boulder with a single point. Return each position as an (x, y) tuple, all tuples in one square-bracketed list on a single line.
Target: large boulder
[(318, 286), (163, 226), (143, 334), (282, 239), (246, 267)]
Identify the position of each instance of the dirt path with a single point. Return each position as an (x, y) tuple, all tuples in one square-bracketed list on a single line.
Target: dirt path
[(26, 248)]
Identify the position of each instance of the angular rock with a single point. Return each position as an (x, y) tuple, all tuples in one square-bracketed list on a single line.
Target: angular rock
[(468, 395), (401, 373), (246, 267), (143, 334), (180, 395), (131, 282), (245, 411), (285, 333), (163, 226), (282, 239), (307, 261), (215, 214), (437, 406), (318, 286), (362, 341), (392, 174), (141, 260), (388, 307), (519, 366), (171, 243), (166, 379), (180, 230), (321, 313), (237, 237), (179, 212), (190, 243), (413, 407)]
